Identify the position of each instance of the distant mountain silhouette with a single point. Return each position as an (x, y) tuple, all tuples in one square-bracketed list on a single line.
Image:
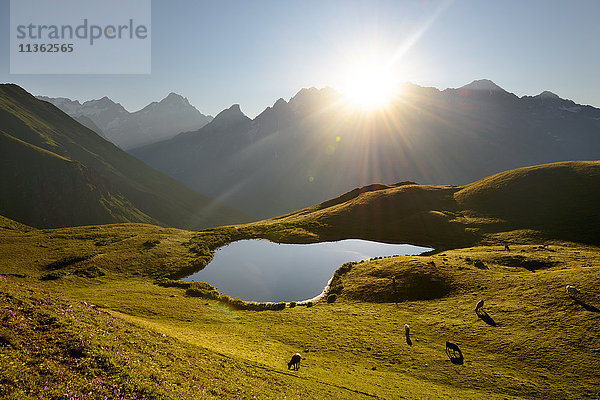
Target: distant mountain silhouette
[(155, 122), (56, 172), (313, 147), (483, 85)]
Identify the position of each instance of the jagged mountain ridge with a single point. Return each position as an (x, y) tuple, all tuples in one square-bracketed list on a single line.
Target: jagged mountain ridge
[(56, 172), (312, 147), (155, 122)]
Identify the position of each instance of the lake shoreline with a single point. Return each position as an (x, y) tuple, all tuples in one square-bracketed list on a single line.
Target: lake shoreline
[(263, 271)]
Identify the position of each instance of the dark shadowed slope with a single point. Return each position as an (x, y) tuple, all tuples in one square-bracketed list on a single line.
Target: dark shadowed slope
[(560, 199), (551, 201), (56, 172)]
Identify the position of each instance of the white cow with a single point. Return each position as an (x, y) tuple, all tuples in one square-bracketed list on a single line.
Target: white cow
[(479, 305), (572, 291)]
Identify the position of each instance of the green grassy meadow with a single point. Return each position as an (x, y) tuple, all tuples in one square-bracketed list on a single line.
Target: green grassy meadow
[(95, 312), (544, 345)]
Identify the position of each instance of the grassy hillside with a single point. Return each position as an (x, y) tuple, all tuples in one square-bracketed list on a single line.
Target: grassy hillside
[(81, 310), (80, 178), (9, 224), (55, 346), (41, 188), (551, 201), (559, 199), (81, 313)]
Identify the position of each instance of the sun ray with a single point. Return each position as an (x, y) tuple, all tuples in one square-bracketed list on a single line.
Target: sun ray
[(369, 82), (370, 86)]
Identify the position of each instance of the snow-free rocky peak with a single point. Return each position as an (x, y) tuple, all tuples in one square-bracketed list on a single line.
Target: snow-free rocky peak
[(483, 84), (279, 103), (546, 95), (228, 117), (104, 102), (173, 101), (102, 106), (174, 98)]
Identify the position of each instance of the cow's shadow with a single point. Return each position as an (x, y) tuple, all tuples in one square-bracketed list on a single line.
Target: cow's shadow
[(485, 317), (587, 306), (454, 354)]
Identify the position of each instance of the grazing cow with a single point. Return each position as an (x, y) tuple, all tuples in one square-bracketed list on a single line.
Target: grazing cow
[(295, 362), (479, 305), (572, 291)]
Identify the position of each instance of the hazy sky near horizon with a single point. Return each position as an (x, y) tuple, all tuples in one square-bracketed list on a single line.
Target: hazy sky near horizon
[(217, 53)]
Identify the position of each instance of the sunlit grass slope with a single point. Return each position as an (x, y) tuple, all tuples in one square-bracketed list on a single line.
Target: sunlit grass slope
[(544, 344), (56, 346), (9, 224), (535, 342)]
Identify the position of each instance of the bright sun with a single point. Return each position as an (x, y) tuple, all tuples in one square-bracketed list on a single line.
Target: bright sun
[(369, 87)]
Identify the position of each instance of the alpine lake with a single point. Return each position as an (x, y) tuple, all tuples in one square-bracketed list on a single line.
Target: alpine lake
[(263, 271)]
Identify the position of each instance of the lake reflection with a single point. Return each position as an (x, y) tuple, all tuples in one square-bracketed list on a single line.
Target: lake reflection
[(259, 270)]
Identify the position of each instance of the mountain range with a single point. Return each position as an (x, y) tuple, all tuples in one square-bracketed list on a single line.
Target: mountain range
[(84, 301), (56, 172), (314, 146), (157, 121)]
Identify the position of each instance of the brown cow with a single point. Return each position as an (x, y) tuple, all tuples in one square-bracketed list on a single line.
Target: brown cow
[(295, 362)]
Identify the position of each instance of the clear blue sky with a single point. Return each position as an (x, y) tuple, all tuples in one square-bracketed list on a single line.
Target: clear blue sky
[(217, 53)]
